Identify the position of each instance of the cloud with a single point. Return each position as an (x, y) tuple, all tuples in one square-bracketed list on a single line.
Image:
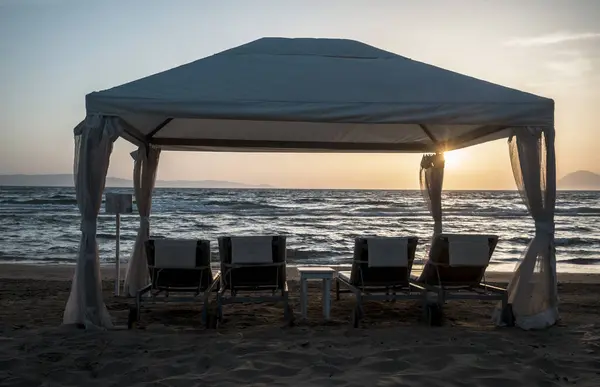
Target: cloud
[(553, 84), (564, 70), (571, 65), (571, 68), (554, 38)]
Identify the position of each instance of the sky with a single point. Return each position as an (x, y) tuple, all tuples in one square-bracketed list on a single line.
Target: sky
[(54, 52)]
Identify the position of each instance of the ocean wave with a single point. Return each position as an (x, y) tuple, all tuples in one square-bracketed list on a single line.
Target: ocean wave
[(519, 240), (64, 249), (204, 226), (518, 252), (299, 255), (560, 228), (240, 205), (41, 201), (581, 261), (373, 203), (123, 237), (309, 200), (578, 211), (381, 209), (61, 196), (504, 260), (559, 242), (486, 213), (6, 258)]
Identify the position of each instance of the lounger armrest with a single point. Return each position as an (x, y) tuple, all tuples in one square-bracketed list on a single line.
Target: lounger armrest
[(144, 290), (493, 288), (244, 265), (222, 287), (418, 286), (342, 279), (214, 285), (430, 288), (198, 268)]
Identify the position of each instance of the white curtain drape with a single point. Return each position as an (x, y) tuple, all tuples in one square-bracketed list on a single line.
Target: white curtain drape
[(431, 177), (144, 178), (94, 139), (533, 288)]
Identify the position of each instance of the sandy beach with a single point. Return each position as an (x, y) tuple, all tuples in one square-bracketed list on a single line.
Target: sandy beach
[(169, 347)]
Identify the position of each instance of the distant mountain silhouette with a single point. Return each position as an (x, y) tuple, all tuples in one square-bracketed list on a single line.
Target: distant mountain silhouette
[(580, 180), (66, 180)]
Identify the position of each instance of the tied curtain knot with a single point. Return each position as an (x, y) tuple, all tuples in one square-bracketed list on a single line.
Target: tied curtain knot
[(145, 222), (88, 226), (433, 161), (144, 231), (544, 227)]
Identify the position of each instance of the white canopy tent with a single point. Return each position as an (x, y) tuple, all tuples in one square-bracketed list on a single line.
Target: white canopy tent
[(315, 95)]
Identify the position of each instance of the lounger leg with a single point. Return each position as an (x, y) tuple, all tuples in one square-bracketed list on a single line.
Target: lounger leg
[(219, 308), (326, 297), (288, 313), (433, 310), (507, 313), (357, 313), (205, 303), (304, 297), (425, 307), (204, 315), (138, 304), (131, 318), (220, 311)]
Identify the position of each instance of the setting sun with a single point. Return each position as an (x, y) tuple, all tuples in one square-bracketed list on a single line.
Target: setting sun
[(453, 158)]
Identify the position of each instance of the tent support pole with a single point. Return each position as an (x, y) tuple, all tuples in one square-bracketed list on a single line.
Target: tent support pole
[(429, 134), (136, 135), (480, 132), (158, 129), (298, 145)]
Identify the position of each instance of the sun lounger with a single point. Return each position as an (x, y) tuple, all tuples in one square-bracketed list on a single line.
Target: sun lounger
[(256, 267), (178, 267), (381, 271), (456, 269)]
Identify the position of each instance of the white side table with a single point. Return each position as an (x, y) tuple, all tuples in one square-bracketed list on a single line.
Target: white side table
[(325, 274)]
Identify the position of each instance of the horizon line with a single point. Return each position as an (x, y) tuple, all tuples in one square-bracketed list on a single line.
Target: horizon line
[(305, 189)]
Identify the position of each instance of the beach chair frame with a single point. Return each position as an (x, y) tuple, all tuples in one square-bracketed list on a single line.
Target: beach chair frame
[(237, 284), (363, 287), (200, 282), (475, 289)]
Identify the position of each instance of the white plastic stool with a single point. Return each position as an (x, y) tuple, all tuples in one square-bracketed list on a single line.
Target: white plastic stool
[(323, 273)]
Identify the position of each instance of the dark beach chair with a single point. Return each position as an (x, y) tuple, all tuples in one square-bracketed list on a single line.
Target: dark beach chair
[(456, 270), (381, 271), (178, 267), (253, 271)]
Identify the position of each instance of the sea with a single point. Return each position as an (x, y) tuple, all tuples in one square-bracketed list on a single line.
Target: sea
[(40, 225)]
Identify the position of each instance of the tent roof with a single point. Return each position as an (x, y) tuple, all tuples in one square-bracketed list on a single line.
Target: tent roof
[(277, 94)]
